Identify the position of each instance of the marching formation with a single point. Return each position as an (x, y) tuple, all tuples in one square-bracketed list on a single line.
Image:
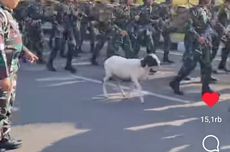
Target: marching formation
[(122, 25), (129, 27)]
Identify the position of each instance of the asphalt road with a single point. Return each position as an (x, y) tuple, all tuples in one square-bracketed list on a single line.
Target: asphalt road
[(61, 112)]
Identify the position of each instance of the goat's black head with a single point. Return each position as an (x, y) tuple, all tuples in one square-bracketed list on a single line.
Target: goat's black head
[(150, 60)]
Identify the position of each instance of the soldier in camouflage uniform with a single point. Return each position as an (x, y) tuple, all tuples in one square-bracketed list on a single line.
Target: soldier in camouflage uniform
[(105, 28), (120, 36), (12, 49), (198, 35), (77, 16), (163, 12), (62, 13), (34, 27), (222, 28), (87, 24), (63, 34), (69, 37), (144, 20)]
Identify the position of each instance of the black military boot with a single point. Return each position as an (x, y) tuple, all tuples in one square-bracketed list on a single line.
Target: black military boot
[(166, 59), (79, 49), (50, 66), (9, 143), (70, 68), (223, 67), (187, 78), (205, 85), (94, 59), (92, 47), (175, 85)]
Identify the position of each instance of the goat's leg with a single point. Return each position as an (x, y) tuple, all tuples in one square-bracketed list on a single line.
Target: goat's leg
[(131, 89), (139, 88), (106, 78), (121, 89)]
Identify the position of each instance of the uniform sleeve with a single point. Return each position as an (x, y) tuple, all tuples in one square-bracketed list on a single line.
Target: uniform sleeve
[(4, 71), (116, 28), (190, 28), (221, 17), (190, 25)]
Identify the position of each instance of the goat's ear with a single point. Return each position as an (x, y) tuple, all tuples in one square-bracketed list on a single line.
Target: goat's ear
[(143, 63)]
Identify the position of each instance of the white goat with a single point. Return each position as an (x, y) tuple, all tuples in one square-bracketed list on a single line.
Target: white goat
[(133, 69)]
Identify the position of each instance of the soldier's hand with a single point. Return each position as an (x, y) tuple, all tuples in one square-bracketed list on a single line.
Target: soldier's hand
[(32, 58), (5, 84), (202, 40), (124, 33)]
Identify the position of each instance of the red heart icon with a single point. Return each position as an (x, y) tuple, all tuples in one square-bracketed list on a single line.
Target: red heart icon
[(211, 99)]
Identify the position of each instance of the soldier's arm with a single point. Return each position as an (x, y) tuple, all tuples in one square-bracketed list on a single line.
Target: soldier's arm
[(221, 16), (4, 69), (190, 25), (115, 27), (190, 28), (221, 19)]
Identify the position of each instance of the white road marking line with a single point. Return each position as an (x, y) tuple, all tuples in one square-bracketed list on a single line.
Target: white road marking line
[(146, 92), (56, 78), (81, 63), (223, 97), (161, 124), (179, 148), (193, 80), (172, 137), (225, 147), (118, 96), (63, 83)]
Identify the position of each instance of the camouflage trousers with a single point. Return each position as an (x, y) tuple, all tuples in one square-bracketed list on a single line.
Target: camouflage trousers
[(195, 54), (144, 38), (7, 99), (83, 35), (118, 41)]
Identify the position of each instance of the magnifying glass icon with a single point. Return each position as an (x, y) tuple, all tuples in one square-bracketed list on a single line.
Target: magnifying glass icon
[(217, 149)]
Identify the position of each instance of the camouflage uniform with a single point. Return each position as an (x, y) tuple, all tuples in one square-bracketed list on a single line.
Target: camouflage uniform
[(34, 27), (120, 24), (104, 25), (163, 13), (11, 47), (145, 29), (223, 22), (63, 34), (87, 24), (198, 27), (105, 30)]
